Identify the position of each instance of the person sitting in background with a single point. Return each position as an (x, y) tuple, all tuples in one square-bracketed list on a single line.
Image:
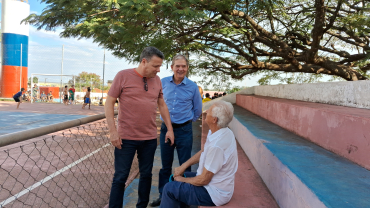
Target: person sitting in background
[(223, 94), (43, 96), (215, 96), (200, 91), (207, 98), (50, 96), (213, 183), (220, 95), (26, 97)]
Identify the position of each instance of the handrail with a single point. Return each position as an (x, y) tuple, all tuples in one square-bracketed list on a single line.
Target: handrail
[(21, 136)]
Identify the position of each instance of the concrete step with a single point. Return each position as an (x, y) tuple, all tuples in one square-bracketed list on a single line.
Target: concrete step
[(297, 172), (249, 190), (342, 130)]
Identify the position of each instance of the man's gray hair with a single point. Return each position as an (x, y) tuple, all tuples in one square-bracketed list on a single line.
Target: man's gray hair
[(178, 57), (149, 52), (224, 112)]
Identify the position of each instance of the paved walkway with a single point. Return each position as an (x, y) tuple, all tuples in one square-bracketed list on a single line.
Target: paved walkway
[(131, 196), (35, 115)]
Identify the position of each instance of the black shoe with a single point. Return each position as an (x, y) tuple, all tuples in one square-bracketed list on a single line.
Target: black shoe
[(155, 203)]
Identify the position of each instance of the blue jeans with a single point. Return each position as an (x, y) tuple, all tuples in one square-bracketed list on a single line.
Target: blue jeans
[(122, 164), (179, 194), (183, 144)]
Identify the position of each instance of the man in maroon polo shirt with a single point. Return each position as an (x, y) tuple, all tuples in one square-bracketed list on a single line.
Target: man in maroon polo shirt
[(139, 91)]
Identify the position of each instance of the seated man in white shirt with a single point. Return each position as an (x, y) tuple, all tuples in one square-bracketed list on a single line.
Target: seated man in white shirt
[(213, 184)]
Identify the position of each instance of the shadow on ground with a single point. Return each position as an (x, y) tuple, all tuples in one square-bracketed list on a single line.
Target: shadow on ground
[(131, 196)]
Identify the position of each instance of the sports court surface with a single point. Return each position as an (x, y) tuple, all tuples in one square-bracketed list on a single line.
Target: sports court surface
[(49, 171), (35, 115)]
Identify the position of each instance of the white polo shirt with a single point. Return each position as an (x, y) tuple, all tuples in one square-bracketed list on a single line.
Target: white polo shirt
[(220, 157)]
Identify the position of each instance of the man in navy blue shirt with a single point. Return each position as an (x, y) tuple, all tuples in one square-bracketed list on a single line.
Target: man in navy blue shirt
[(17, 97), (185, 106)]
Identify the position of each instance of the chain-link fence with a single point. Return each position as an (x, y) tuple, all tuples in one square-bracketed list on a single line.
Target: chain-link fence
[(69, 168)]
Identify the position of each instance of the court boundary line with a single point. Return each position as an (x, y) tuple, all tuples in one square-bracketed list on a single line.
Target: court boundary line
[(46, 179)]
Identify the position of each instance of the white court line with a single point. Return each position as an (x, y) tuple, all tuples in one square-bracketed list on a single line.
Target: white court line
[(25, 191)]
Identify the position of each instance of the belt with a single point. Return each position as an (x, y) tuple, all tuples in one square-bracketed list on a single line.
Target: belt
[(175, 125)]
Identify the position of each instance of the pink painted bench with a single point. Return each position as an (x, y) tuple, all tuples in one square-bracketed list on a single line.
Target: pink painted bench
[(250, 190)]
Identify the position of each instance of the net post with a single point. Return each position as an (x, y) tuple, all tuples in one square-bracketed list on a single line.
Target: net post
[(31, 88)]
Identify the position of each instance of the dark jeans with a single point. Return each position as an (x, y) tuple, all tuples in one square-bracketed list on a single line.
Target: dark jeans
[(179, 194), (183, 144), (122, 165)]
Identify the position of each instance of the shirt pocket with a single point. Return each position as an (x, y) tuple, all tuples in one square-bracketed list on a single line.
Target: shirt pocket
[(186, 96)]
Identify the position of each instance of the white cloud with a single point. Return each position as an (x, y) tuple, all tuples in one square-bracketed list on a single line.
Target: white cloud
[(33, 43)]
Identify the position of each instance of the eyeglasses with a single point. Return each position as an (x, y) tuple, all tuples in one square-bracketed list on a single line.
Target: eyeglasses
[(145, 84)]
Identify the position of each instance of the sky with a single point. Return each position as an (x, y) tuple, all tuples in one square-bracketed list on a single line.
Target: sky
[(46, 54)]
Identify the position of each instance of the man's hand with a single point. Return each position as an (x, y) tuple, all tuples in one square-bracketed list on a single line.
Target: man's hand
[(179, 178), (179, 171), (115, 140), (171, 136)]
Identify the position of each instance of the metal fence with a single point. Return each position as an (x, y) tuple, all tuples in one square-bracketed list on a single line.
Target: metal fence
[(69, 168)]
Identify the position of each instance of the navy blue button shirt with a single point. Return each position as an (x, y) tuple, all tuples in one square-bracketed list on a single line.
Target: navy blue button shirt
[(183, 100)]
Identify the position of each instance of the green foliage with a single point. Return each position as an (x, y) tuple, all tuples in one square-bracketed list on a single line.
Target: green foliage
[(292, 41), (85, 79), (35, 80), (234, 89)]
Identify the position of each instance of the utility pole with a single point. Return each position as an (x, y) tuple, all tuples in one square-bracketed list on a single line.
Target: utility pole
[(61, 77), (102, 90)]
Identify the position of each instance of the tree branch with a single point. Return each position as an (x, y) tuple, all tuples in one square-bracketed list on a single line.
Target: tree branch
[(317, 32)]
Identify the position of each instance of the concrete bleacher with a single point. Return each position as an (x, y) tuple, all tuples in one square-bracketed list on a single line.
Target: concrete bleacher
[(249, 190), (297, 172), (342, 130), (307, 154)]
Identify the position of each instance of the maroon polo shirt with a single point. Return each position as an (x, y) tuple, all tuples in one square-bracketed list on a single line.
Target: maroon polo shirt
[(137, 107)]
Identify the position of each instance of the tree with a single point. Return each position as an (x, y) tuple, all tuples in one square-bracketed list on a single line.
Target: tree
[(217, 81), (234, 37), (234, 89), (35, 80), (85, 79)]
